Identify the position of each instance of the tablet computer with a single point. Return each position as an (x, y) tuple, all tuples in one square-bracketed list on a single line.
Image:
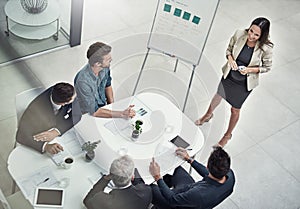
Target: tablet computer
[(49, 197), (180, 142)]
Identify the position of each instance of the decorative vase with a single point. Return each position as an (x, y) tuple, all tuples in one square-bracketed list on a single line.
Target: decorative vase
[(135, 134), (89, 156), (34, 6)]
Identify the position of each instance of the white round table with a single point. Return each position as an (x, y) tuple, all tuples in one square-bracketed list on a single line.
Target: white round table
[(158, 131), (32, 26)]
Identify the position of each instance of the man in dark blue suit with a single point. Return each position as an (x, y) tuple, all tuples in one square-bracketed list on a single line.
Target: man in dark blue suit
[(49, 115), (217, 183)]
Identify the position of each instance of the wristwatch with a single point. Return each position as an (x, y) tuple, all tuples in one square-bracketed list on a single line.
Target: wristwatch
[(190, 160)]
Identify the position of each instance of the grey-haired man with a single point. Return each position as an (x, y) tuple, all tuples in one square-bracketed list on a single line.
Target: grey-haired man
[(129, 192)]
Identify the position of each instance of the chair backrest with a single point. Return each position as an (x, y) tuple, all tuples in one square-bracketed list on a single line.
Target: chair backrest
[(24, 98), (3, 201), (17, 200)]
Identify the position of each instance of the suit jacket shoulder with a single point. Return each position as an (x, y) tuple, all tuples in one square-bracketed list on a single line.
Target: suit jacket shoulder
[(133, 197), (39, 116), (35, 119)]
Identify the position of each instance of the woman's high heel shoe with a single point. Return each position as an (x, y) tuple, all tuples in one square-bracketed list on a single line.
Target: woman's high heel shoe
[(203, 120), (223, 141)]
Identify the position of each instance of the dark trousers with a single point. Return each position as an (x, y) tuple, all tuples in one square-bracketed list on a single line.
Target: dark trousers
[(178, 180)]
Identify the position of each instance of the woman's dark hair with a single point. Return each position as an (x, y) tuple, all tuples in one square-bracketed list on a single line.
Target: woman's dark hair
[(96, 52), (62, 92), (218, 163), (264, 25)]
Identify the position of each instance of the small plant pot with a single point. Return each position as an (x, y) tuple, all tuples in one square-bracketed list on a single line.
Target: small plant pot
[(135, 134), (89, 156)]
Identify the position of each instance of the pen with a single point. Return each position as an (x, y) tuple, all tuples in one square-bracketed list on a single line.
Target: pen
[(43, 181), (143, 113), (140, 110)]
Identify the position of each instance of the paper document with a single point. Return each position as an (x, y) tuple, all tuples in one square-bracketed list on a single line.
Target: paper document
[(165, 156), (71, 146), (71, 142), (58, 158), (117, 125), (94, 178), (140, 108), (123, 126), (43, 177)]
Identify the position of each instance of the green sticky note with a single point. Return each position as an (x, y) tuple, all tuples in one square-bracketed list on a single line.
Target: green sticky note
[(196, 20), (167, 8), (186, 15), (177, 12)]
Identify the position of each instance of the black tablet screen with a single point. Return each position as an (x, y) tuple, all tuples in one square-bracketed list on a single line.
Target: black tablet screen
[(179, 142), (49, 197)]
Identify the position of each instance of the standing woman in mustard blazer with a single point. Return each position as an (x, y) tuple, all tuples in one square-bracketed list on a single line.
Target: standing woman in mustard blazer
[(249, 54)]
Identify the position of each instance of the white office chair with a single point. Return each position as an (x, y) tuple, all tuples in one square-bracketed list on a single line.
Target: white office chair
[(17, 200), (22, 100), (14, 201)]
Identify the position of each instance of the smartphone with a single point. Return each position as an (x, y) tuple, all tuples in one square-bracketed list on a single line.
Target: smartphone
[(241, 68), (180, 142)]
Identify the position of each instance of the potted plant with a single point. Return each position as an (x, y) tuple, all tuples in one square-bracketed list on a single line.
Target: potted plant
[(137, 129), (89, 148)]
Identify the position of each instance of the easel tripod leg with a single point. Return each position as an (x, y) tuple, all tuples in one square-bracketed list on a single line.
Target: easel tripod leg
[(141, 71), (189, 87)]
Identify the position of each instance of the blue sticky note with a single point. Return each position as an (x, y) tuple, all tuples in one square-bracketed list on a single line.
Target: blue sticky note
[(167, 8), (196, 20), (186, 16), (177, 12)]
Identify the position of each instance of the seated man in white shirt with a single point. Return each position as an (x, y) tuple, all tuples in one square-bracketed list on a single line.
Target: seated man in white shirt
[(49, 115)]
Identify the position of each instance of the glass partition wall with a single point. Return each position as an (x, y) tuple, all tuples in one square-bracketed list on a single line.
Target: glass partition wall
[(28, 27)]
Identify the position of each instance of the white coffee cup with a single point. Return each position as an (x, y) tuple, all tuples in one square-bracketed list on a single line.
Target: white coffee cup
[(67, 163)]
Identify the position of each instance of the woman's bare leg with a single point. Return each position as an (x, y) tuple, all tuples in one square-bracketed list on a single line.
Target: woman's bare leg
[(234, 117), (209, 113)]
